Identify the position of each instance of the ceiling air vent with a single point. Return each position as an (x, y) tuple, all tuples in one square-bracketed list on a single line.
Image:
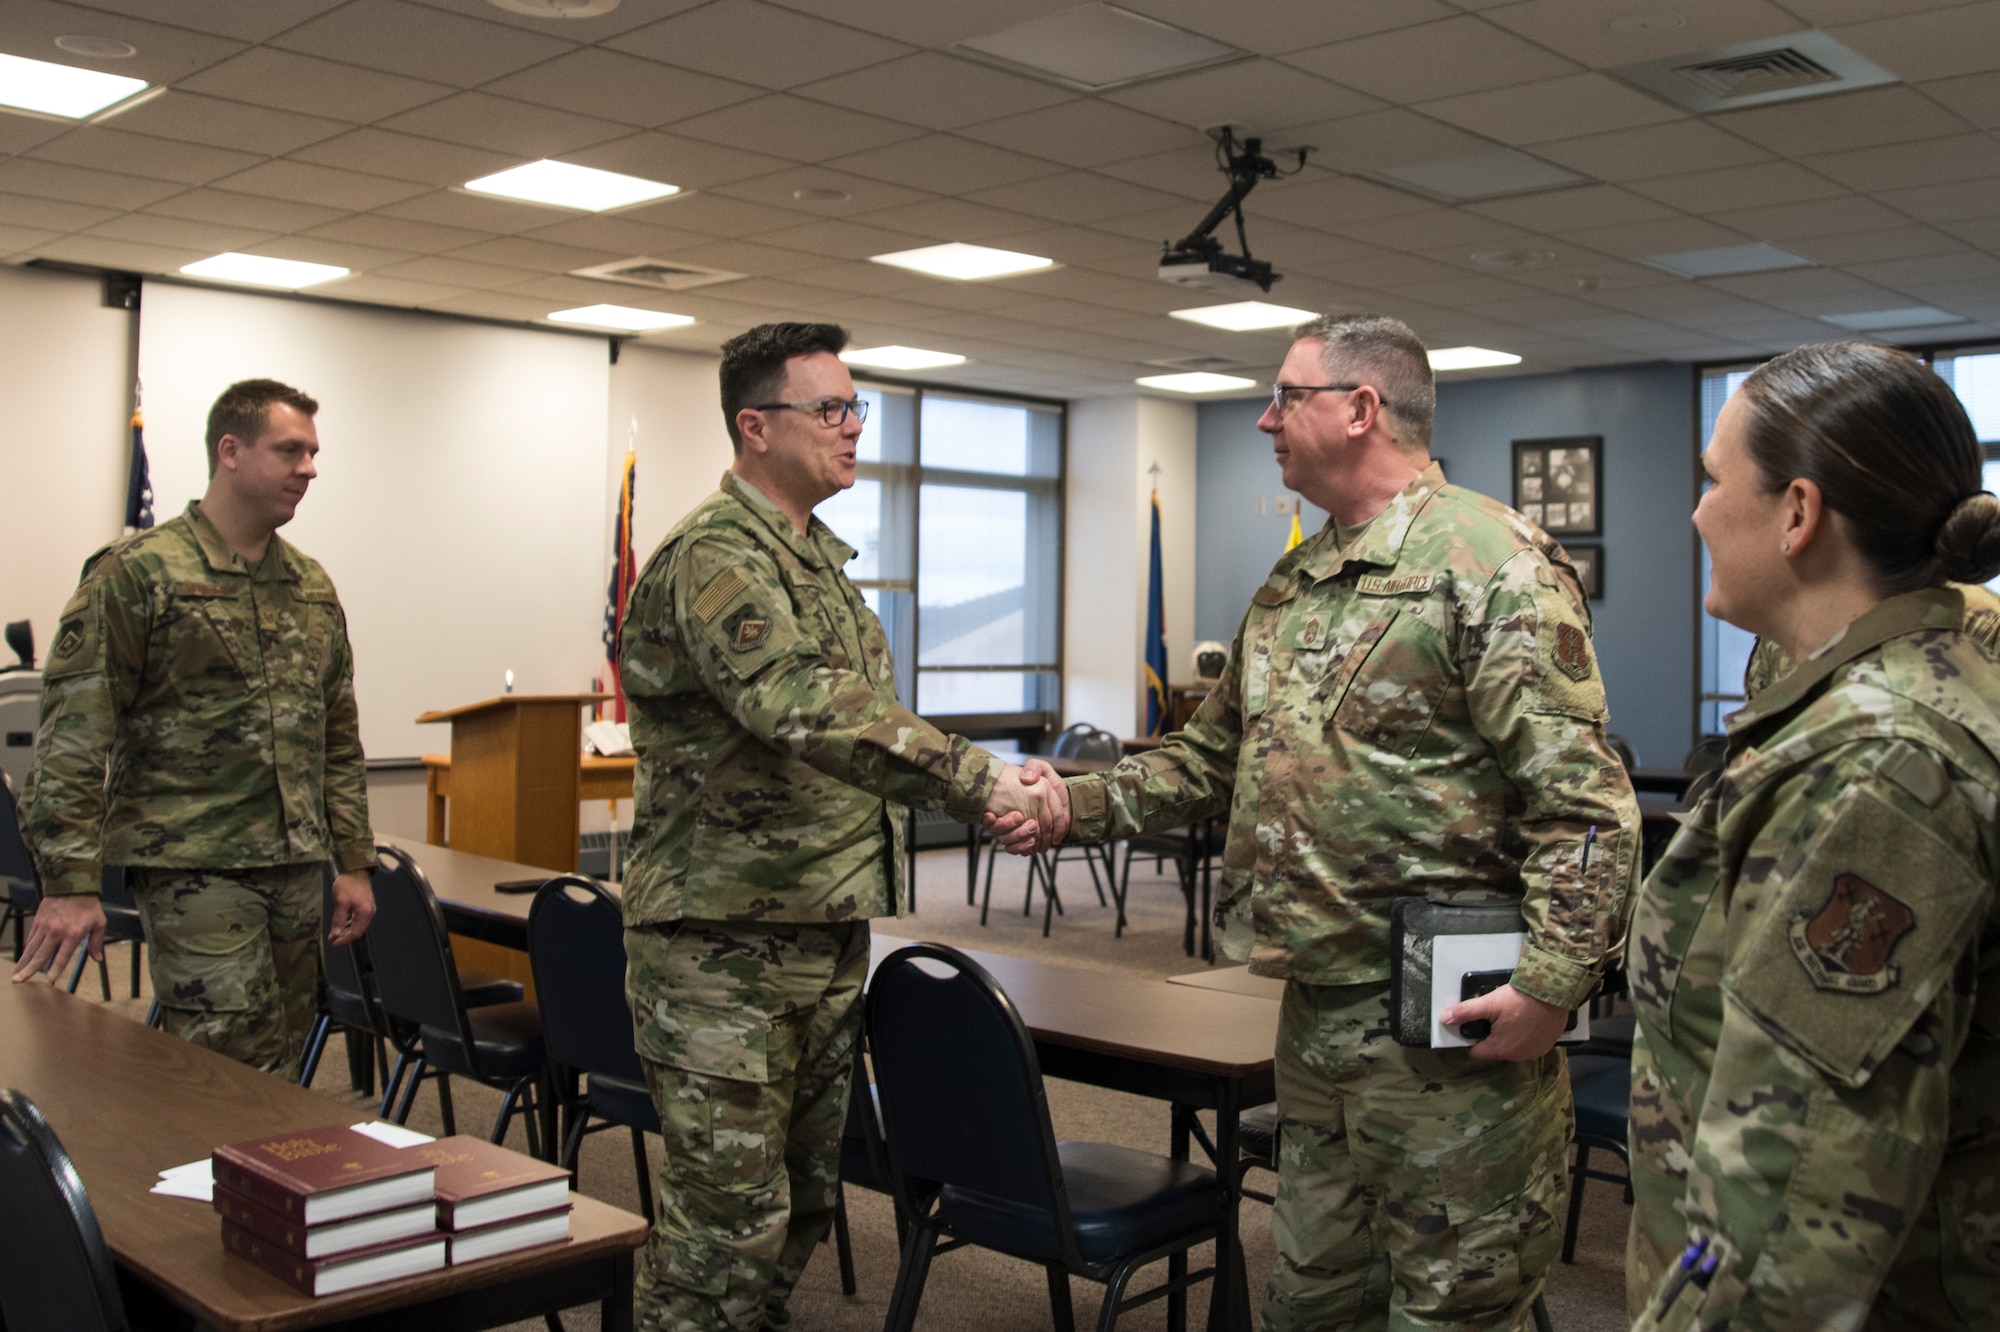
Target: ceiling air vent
[(1776, 69), (658, 274)]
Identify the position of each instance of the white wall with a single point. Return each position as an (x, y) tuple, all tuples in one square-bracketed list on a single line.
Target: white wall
[(1113, 444), (66, 385)]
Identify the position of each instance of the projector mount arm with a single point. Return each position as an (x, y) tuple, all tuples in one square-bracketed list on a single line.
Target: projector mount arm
[(1244, 170)]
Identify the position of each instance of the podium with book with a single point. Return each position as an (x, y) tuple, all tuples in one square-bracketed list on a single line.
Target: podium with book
[(516, 776)]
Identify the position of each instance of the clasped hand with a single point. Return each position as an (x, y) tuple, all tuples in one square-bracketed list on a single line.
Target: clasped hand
[(1029, 808)]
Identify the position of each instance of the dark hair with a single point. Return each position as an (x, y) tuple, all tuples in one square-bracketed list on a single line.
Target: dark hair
[(1890, 448), (245, 407), (1386, 352), (753, 364)]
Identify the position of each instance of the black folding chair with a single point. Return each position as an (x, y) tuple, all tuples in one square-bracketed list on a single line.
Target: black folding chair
[(1601, 1086), (975, 1160), (435, 1032), (20, 885), (56, 1273), (122, 924), (1193, 851)]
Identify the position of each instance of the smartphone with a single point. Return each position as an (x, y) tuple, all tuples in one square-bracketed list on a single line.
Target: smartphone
[(519, 885), (1476, 983)]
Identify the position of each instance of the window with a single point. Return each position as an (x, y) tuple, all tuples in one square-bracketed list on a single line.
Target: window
[(1975, 377), (956, 513)]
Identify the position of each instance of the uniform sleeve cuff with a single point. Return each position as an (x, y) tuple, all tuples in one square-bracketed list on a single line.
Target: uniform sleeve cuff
[(72, 878), (352, 856), (971, 787), (1553, 979), (1088, 803)]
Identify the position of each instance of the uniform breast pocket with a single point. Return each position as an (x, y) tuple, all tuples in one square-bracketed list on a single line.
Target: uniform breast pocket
[(311, 632), (816, 619), (1388, 687), (207, 637)]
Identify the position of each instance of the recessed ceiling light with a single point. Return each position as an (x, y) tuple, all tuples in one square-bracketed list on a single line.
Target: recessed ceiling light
[(566, 186), (624, 318), (1909, 316), (822, 194), (1485, 175), (259, 270), (1196, 381), (895, 357), (97, 48), (1513, 258), (967, 263), (556, 9), (1244, 316), (1470, 358), (61, 90), (1726, 261)]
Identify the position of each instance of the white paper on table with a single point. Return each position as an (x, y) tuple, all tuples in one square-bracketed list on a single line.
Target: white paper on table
[(395, 1135), (194, 1180), (1453, 955)]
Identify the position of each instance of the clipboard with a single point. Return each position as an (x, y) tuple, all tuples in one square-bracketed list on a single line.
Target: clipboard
[(1429, 940)]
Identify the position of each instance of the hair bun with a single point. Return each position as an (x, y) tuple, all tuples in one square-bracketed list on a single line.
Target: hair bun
[(1968, 545)]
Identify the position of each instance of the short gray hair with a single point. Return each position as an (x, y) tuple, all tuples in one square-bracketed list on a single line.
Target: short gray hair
[(1386, 353)]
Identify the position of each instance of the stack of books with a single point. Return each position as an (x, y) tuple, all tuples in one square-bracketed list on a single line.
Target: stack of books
[(330, 1209)]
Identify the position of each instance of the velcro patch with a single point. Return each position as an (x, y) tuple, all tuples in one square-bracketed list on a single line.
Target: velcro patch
[(1312, 634), (1845, 945), (717, 595), (1572, 652), (1380, 585), (749, 633), (71, 640)]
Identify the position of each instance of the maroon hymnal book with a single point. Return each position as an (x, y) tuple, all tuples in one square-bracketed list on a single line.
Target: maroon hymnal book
[(322, 1174), (347, 1271), (526, 1232), (480, 1184), (330, 1238)]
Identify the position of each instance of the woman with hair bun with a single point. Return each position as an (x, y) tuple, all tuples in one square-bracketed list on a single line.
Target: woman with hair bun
[(1816, 960)]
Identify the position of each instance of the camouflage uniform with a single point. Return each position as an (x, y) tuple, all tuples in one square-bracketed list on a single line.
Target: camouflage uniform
[(769, 802), (1768, 662), (198, 722), (1816, 1080), (1419, 713)]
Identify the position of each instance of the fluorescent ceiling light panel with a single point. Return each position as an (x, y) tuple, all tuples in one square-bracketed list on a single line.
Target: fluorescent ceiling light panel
[(1470, 358), (1197, 381), (1099, 46), (61, 90), (1244, 316), (566, 186), (1486, 175), (967, 263), (897, 357), (261, 271), (1726, 261), (1909, 316), (624, 318)]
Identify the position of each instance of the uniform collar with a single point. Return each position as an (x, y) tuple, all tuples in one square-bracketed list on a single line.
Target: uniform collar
[(818, 546), (1926, 608), (276, 564), (1382, 544)]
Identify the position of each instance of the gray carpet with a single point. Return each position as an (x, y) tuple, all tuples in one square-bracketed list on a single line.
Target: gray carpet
[(971, 1289)]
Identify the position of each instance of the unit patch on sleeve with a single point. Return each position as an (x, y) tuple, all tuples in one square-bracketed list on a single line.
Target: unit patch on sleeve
[(1572, 652), (717, 595), (749, 633), (1845, 944)]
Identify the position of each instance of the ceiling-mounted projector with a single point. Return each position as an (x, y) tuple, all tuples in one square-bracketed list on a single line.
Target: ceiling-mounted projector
[(1198, 259)]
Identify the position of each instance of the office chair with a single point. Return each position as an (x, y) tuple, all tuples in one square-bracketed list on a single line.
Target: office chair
[(56, 1273), (1602, 1088)]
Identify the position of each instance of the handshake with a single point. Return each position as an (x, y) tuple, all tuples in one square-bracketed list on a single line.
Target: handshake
[(1028, 811)]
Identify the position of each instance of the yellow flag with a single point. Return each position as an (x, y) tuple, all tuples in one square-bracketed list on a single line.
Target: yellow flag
[(1296, 536)]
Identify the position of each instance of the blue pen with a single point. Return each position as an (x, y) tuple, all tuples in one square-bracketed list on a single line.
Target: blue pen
[(1684, 1272)]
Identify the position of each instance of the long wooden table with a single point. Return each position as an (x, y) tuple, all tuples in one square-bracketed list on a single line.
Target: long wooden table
[(128, 1101)]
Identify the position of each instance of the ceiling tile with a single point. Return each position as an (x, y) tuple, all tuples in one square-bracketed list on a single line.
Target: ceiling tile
[(178, 232), (1084, 133), (1738, 187), (1930, 270), (164, 54), (1572, 210), (390, 291), (1653, 150), (714, 215), (781, 189), (329, 186), (20, 242), (1190, 172), (493, 305), (1637, 240), (1931, 162), (615, 86), (788, 49), (688, 163), (452, 273), (1864, 119), (395, 233), (536, 255), (503, 125), (1456, 55), (1981, 231), (1794, 287), (1274, 27), (1074, 196), (50, 214), (944, 164), (936, 91), (1539, 112), (804, 130), (628, 15), (405, 157), (1260, 94), (1438, 228), (1975, 97), (1467, 289), (1331, 201), (1095, 249), (1577, 28), (52, 180), (421, 42), (952, 219), (314, 250), (841, 240), (265, 76), (1820, 217), (250, 23), (198, 119), (1903, 242), (131, 256), (735, 256), (1395, 137), (20, 133), (617, 235), (1959, 201), (1933, 45), (108, 149), (244, 210)]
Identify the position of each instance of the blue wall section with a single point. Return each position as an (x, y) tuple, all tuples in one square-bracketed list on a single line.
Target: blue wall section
[(1643, 627)]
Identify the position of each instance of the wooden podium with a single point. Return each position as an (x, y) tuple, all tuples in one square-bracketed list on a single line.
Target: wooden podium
[(516, 776)]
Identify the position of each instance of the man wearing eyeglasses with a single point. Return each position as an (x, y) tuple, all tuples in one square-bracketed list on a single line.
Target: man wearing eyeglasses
[(775, 768), (1411, 708)]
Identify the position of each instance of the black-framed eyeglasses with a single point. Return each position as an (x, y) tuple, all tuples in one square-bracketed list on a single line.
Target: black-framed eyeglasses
[(1284, 397), (832, 411)]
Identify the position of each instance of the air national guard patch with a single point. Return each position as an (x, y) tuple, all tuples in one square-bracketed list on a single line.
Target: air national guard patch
[(749, 633), (1572, 652), (1845, 945)]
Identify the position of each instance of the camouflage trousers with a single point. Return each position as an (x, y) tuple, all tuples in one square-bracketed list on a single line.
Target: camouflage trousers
[(1416, 1188), (234, 956), (747, 1034)]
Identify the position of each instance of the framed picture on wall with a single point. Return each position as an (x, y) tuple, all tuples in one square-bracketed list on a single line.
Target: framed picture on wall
[(1558, 484), (1589, 563)]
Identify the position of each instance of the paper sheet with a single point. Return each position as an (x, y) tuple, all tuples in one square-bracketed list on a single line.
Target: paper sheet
[(1452, 955), (395, 1135), (196, 1179)]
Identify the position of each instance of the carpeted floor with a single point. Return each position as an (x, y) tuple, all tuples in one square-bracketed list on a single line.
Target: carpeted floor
[(972, 1290)]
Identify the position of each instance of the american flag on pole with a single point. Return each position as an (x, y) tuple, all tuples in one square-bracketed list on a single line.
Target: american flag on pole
[(624, 572), (138, 480)]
